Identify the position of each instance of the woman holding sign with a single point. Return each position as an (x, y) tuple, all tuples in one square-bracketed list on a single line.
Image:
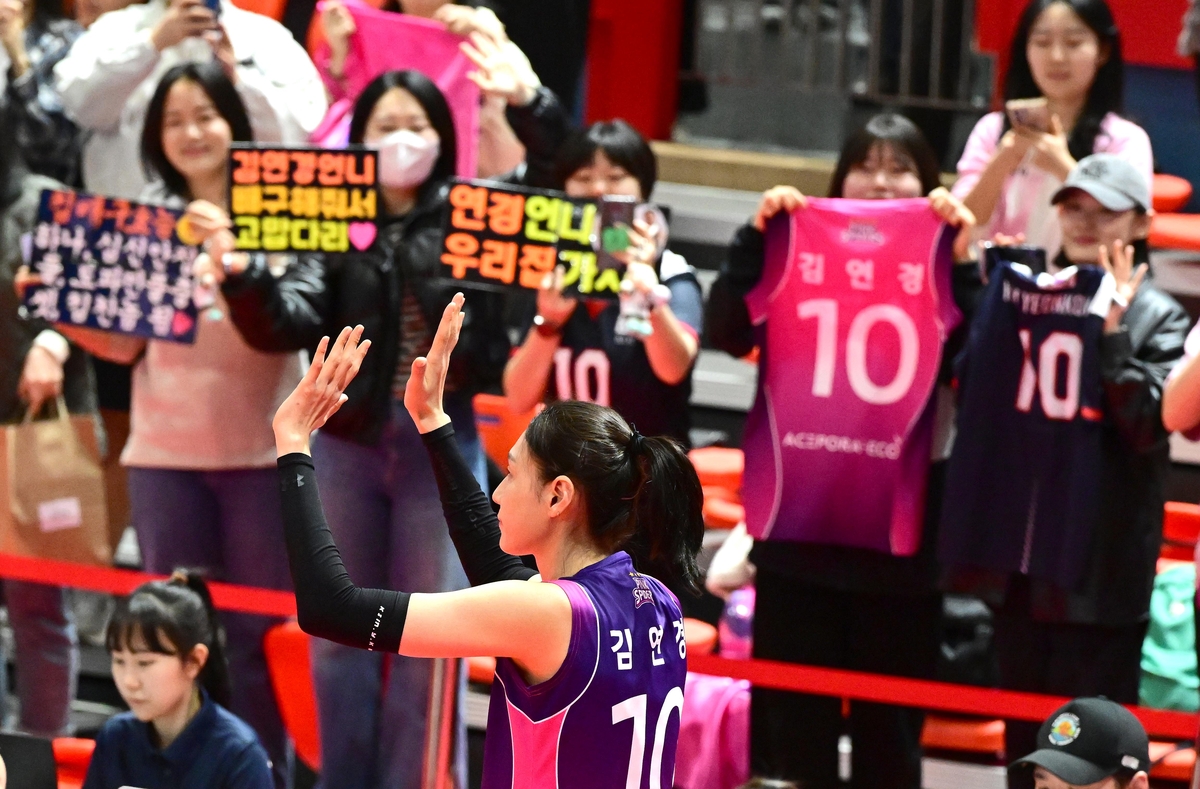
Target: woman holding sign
[(199, 444), (645, 374), (380, 491), (833, 605)]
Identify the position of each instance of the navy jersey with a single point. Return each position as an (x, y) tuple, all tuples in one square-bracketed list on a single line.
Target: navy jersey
[(1022, 487), (595, 364)]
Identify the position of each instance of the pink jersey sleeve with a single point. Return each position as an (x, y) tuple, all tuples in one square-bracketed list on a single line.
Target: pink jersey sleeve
[(1191, 349), (981, 146)]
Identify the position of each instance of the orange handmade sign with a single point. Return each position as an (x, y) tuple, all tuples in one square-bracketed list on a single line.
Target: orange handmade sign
[(500, 236), (303, 199)]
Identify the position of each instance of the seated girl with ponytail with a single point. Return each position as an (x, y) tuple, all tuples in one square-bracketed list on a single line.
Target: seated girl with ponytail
[(591, 651), (169, 665)]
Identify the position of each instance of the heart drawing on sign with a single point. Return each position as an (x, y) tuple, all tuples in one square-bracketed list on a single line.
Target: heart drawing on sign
[(181, 324), (362, 234)]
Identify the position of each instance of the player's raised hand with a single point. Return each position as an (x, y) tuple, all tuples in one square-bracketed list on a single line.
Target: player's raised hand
[(321, 392), (423, 392), (1128, 278), (776, 199)]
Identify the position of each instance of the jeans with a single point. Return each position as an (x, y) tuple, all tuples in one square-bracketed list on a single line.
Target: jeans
[(383, 509), (229, 523), (47, 657)]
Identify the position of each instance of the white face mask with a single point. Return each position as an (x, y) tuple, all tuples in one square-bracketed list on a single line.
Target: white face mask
[(406, 159)]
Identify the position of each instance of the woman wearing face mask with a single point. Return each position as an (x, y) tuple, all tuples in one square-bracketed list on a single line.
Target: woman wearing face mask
[(1068, 52), (381, 495), (195, 464), (835, 606), (169, 666), (1087, 641)]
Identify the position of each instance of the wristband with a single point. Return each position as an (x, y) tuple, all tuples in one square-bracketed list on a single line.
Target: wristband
[(545, 328)]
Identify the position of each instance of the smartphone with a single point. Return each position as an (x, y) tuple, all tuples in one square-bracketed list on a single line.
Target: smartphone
[(993, 255), (1029, 114), (615, 221)]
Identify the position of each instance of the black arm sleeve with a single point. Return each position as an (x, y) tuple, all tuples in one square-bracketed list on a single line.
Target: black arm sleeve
[(473, 525), (328, 604)]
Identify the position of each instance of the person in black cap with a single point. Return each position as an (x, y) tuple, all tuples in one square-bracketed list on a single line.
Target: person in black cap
[(1090, 744), (1085, 638)]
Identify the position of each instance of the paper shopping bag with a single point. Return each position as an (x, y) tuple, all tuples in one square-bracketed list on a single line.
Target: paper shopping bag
[(54, 487)]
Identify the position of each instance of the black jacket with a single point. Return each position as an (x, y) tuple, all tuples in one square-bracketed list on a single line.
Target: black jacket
[(320, 294), (1122, 562), (728, 328)]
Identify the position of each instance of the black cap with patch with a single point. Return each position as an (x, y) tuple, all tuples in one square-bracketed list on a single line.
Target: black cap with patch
[(1087, 740)]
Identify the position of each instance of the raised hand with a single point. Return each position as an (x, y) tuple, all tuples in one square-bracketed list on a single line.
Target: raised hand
[(423, 393), (1128, 279), (321, 392), (776, 199), (954, 213), (184, 19), (501, 69)]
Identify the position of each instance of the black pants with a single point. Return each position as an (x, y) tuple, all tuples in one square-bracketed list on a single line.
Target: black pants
[(794, 736), (1065, 660)]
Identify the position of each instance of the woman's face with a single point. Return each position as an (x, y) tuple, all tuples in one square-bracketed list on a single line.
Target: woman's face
[(603, 177), (883, 175), (524, 502), (155, 685), (1064, 54), (1087, 225), (195, 136), (398, 110)]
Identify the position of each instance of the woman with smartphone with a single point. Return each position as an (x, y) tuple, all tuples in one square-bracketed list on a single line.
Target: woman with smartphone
[(1064, 91)]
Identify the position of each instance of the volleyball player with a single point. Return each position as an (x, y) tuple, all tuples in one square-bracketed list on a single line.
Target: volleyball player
[(592, 654)]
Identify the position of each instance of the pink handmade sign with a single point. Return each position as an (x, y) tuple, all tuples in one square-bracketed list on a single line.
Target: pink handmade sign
[(387, 41)]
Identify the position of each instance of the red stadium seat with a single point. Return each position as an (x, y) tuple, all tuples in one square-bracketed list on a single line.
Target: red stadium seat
[(719, 467), (286, 648), (1170, 192), (1176, 765), (948, 733), (701, 636), (719, 513), (1181, 529), (72, 755), (1175, 231), (499, 428), (481, 669)]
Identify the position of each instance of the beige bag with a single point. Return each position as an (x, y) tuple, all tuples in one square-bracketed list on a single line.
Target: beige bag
[(54, 487)]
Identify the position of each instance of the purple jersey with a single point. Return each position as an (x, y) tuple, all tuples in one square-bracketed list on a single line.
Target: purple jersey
[(610, 716)]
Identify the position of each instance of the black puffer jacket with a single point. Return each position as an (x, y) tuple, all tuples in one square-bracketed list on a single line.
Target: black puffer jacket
[(320, 294)]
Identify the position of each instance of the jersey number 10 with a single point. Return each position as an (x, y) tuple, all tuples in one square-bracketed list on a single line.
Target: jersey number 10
[(635, 708), (1045, 377), (826, 313)]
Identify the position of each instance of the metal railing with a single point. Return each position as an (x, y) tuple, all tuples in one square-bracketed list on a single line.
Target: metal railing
[(756, 57)]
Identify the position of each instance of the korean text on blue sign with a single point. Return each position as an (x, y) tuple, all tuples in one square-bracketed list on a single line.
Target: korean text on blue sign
[(113, 265)]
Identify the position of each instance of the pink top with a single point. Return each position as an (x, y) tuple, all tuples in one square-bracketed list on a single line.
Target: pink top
[(1191, 348), (1024, 205)]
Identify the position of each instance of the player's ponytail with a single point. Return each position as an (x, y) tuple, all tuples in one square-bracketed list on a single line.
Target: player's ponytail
[(640, 493), (171, 617)]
